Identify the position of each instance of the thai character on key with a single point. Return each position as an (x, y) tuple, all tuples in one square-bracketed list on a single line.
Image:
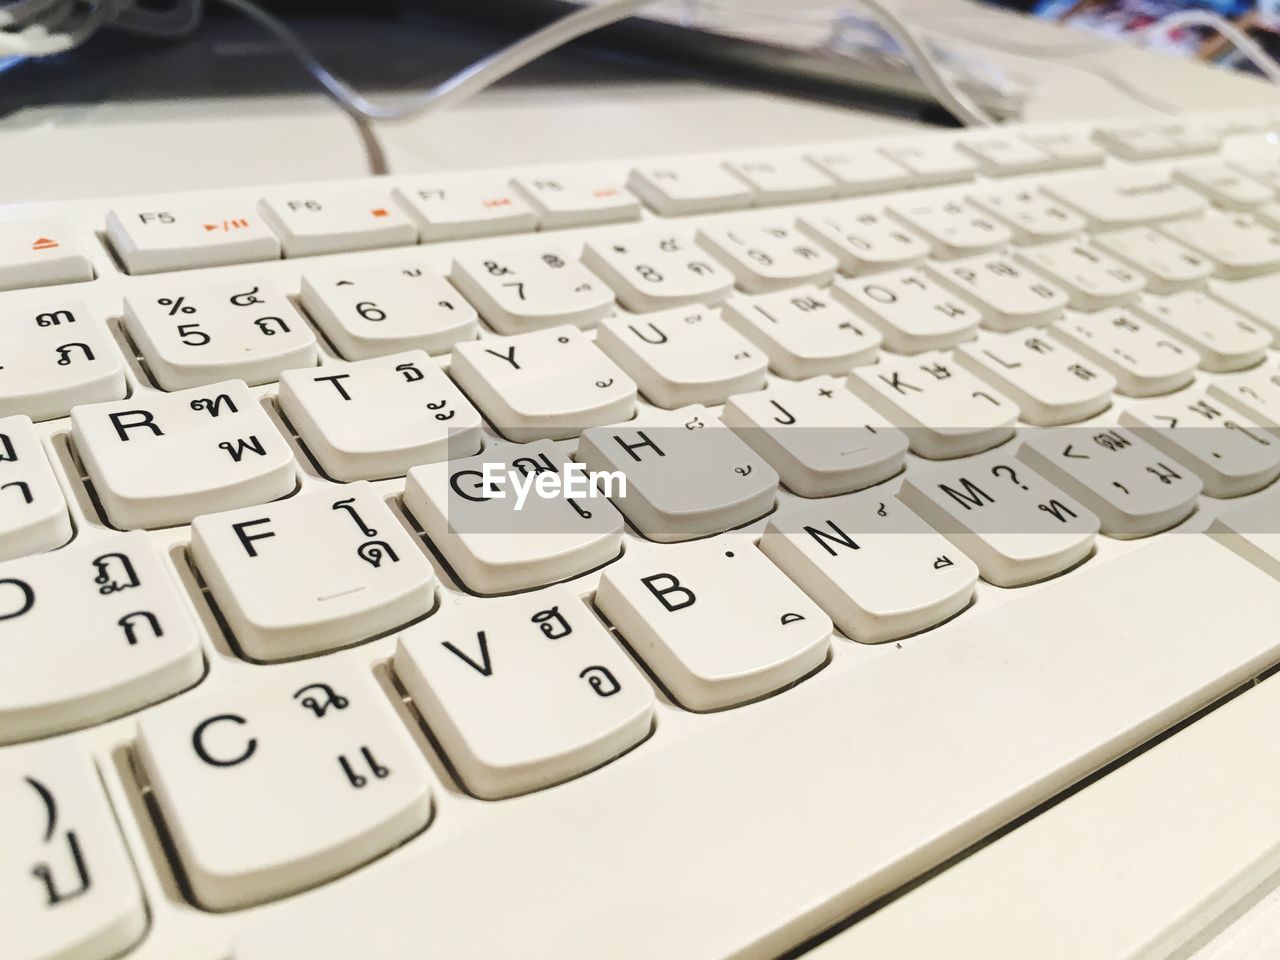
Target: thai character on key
[(601, 680), (128, 623), (44, 871), (214, 406), (22, 486), (375, 551), (527, 465), (439, 405), (346, 505), (410, 372), (64, 353), (54, 318), (313, 703), (109, 582), (6, 449), (552, 623), (359, 780), (264, 324)]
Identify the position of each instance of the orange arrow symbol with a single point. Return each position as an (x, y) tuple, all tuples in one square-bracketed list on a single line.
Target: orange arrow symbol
[(44, 243)]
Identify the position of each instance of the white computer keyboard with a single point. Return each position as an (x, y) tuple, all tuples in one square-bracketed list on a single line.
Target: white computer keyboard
[(920, 436)]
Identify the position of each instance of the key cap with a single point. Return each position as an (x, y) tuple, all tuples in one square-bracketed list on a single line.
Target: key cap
[(162, 236), (1261, 167), (376, 418), (524, 692), (1016, 526), (34, 517), (803, 332), (683, 356), (310, 223), (1009, 296), (309, 762), (1032, 217), (312, 573), (545, 385), (1092, 279), (40, 253), (657, 272), (1237, 246), (1067, 149), (820, 438), (58, 354), (1142, 357), (527, 290), (1145, 142), (1033, 663), (864, 240), (861, 169), (1049, 381), (1222, 337), (1166, 265), (457, 210), (70, 885), (1232, 456), (932, 163), (162, 459), (678, 187), (877, 569), (576, 199), (1256, 394), (913, 313), (497, 538), (1268, 214), (768, 258), (1132, 487), (90, 632), (1225, 187), (1252, 530), (687, 476), (952, 227), (246, 330), (1116, 199), (716, 621), (1002, 156), (945, 410), (374, 310), (1255, 298), (782, 179)]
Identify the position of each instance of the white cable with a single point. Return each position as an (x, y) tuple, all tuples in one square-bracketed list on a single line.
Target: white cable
[(1245, 44)]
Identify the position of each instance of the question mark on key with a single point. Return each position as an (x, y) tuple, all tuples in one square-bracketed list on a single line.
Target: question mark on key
[(1013, 477)]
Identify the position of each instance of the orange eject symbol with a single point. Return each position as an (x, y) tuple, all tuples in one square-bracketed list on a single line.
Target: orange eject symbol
[(44, 243)]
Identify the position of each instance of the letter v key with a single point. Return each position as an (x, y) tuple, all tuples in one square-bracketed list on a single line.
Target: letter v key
[(485, 666)]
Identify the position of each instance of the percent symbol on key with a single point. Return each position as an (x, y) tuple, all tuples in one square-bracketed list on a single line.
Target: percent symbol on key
[(175, 306)]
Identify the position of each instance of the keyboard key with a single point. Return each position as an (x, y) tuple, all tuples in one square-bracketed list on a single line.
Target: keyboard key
[(545, 385), (1002, 156), (376, 418), (40, 253), (1149, 142), (1256, 394), (1016, 526), (678, 187), (820, 438), (1009, 296), (945, 410), (1092, 279), (1115, 199), (953, 228), (687, 475), (498, 539), (803, 332), (1032, 216), (576, 199), (1255, 298), (308, 761), (864, 241), (312, 573), (447, 209), (683, 356), (90, 632), (1134, 489), (913, 312), (1261, 167), (1067, 149), (524, 692), (1049, 381), (1225, 187), (58, 354), (370, 311), (196, 334), (932, 161), (861, 169), (1142, 358), (1237, 246), (1252, 530), (658, 271), (159, 460), (310, 223), (764, 259), (1223, 337), (877, 569), (529, 290), (1231, 455), (782, 179), (1167, 265), (161, 236), (35, 516), (715, 621), (71, 889)]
